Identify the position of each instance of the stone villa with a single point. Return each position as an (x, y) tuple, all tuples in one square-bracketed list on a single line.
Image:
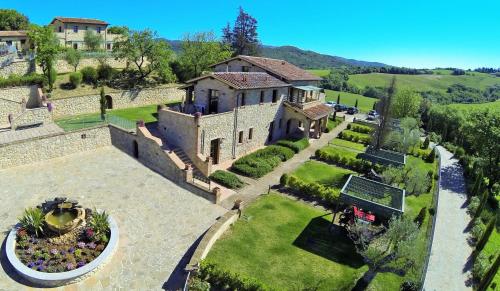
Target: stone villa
[(14, 40), (246, 103), (71, 31)]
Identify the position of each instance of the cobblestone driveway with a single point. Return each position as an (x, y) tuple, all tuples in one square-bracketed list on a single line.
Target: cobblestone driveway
[(158, 220)]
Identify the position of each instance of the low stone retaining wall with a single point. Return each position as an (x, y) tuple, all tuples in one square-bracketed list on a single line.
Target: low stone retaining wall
[(31, 117), (121, 99), (53, 146), (11, 100), (210, 237)]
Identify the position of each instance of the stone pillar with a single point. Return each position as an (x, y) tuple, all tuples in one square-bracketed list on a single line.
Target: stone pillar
[(217, 193), (188, 173), (209, 162), (316, 129)]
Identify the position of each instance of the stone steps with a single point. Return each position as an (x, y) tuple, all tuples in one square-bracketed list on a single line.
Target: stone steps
[(186, 160)]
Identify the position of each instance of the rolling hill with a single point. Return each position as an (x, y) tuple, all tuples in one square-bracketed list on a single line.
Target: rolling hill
[(301, 58)]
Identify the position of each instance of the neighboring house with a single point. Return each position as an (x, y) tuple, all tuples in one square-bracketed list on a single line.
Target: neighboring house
[(228, 114), (71, 31), (14, 41)]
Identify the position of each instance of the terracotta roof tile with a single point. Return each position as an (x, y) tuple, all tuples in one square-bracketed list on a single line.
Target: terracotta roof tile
[(79, 20), (318, 111), (241, 80)]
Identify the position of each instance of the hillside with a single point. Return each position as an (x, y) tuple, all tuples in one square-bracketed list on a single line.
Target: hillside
[(302, 58)]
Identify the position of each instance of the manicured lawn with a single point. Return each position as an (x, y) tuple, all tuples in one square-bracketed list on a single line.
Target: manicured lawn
[(365, 104), (332, 124), (146, 113), (348, 144), (313, 171), (491, 248), (345, 152), (286, 244), (358, 134)]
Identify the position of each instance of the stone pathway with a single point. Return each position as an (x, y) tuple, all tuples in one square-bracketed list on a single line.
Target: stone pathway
[(261, 185), (16, 135), (158, 220), (448, 264)]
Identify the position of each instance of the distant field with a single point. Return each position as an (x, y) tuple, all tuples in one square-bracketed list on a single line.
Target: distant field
[(365, 104), (439, 81), (435, 82), (471, 107)]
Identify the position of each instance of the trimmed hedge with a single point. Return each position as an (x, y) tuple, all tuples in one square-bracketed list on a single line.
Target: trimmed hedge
[(313, 189), (15, 80), (359, 128), (355, 164), (226, 179), (89, 75), (263, 161), (223, 280), (294, 145), (355, 137)]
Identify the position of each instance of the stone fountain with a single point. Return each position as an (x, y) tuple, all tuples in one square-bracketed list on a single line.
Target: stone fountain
[(63, 215)]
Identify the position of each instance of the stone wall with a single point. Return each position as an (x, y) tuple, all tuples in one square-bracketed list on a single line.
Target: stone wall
[(123, 139), (31, 117), (11, 100), (18, 67), (121, 99), (53, 146)]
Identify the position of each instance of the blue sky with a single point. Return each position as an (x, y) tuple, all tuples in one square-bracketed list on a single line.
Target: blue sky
[(421, 33)]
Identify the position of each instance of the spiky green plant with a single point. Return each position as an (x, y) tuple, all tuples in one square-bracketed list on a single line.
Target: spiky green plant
[(33, 220), (99, 223)]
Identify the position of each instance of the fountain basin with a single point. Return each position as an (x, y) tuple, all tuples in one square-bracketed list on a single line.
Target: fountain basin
[(65, 219), (43, 279)]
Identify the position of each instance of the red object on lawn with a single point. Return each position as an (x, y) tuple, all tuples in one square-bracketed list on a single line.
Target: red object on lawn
[(359, 213)]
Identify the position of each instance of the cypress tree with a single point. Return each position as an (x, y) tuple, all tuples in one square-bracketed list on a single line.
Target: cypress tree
[(490, 274), (480, 208), (486, 235), (102, 101), (356, 103), (338, 99)]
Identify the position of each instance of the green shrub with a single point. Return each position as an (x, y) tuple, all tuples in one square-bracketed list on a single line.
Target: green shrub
[(481, 265), (355, 137), (105, 72), (284, 179), (100, 224), (263, 161), (89, 75), (360, 128), (33, 220), (314, 189), (432, 156), (473, 205), (355, 164), (223, 280), (227, 179), (15, 80), (296, 146), (477, 229), (75, 79), (419, 220), (426, 143)]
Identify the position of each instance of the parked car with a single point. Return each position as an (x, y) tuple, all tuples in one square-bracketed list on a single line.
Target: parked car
[(331, 104), (352, 110), (372, 115), (340, 107)]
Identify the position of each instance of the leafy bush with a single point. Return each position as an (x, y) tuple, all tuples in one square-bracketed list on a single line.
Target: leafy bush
[(99, 223), (89, 75), (223, 280), (196, 284), (426, 143), (105, 72), (359, 128), (33, 221), (352, 136), (481, 265), (227, 179), (313, 189), (357, 165), (75, 79), (473, 205), (419, 220), (15, 80), (432, 156), (263, 161), (296, 146), (477, 229), (284, 179)]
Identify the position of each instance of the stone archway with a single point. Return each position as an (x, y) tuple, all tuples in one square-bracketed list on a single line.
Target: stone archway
[(109, 102)]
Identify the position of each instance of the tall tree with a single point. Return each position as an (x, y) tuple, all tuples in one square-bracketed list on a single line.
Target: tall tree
[(406, 103), (394, 247), (243, 37), (73, 57), (123, 30), (103, 104), (200, 50), (384, 110), (12, 20), (484, 131), (46, 48), (92, 40), (145, 52)]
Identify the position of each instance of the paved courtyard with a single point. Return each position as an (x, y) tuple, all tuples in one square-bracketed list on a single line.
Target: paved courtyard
[(158, 220)]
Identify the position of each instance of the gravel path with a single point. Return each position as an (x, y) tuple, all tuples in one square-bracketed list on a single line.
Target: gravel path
[(448, 265)]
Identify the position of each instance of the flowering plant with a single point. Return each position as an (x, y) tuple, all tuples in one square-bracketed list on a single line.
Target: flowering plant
[(54, 251), (81, 245), (70, 266), (89, 233)]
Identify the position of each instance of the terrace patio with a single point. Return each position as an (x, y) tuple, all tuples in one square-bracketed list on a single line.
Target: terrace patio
[(158, 220)]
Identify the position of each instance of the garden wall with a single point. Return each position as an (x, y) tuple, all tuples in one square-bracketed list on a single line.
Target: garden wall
[(53, 146), (31, 117), (210, 237), (11, 100), (121, 99), (17, 67)]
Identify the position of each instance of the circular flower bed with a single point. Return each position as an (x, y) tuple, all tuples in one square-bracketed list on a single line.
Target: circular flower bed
[(59, 241)]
